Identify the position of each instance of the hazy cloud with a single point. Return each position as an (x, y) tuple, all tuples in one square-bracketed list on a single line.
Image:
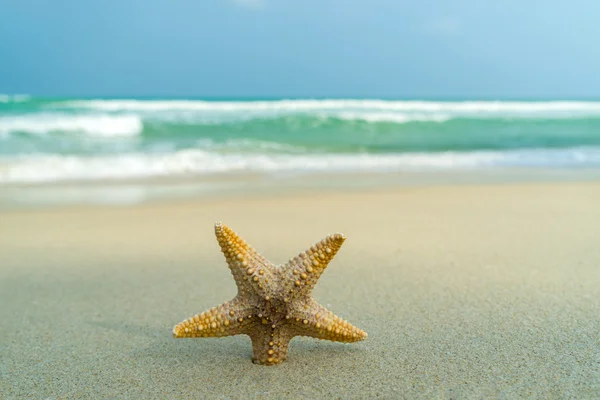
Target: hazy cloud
[(443, 26)]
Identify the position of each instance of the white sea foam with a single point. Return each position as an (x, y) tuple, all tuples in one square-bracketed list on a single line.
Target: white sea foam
[(52, 168), (510, 107), (90, 125)]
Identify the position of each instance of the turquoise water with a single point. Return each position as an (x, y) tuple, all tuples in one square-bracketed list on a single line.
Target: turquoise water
[(47, 140)]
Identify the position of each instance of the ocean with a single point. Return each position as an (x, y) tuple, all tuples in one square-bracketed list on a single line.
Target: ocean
[(45, 140)]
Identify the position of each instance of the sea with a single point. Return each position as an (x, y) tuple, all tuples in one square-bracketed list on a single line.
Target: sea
[(54, 140)]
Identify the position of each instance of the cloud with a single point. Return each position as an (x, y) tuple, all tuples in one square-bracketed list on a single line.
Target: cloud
[(443, 26), (249, 3)]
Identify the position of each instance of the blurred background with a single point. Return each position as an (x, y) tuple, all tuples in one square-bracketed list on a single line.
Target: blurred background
[(455, 143), (146, 92)]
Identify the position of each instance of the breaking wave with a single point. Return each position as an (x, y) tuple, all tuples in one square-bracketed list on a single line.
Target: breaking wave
[(461, 107), (91, 125), (39, 168), (46, 140)]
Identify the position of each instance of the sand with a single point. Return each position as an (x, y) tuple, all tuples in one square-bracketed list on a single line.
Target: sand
[(465, 291)]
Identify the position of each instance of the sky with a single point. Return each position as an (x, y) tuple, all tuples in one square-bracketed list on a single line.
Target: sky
[(303, 48)]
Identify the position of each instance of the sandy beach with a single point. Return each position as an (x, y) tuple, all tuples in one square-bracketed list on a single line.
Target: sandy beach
[(471, 291)]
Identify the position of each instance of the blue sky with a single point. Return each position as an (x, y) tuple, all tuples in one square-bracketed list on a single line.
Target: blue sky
[(309, 48)]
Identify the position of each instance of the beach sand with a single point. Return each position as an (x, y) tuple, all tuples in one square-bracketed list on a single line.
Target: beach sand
[(473, 291)]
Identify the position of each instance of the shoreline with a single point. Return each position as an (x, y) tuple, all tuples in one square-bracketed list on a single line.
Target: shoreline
[(178, 189)]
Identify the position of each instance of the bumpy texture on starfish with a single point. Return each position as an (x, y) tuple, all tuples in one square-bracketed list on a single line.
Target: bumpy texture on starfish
[(274, 302)]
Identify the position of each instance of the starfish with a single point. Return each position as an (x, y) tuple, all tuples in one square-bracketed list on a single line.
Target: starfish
[(274, 302)]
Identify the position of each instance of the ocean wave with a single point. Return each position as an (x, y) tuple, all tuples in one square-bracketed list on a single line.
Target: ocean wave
[(54, 168), (174, 123), (398, 118), (248, 146), (90, 125), (469, 107)]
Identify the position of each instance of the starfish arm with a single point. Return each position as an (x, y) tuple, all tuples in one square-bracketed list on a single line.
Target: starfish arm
[(227, 319), (269, 345), (301, 273), (318, 322), (250, 270)]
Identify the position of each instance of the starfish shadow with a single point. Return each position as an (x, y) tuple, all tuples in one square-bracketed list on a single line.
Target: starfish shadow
[(128, 328), (194, 351), (188, 351)]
